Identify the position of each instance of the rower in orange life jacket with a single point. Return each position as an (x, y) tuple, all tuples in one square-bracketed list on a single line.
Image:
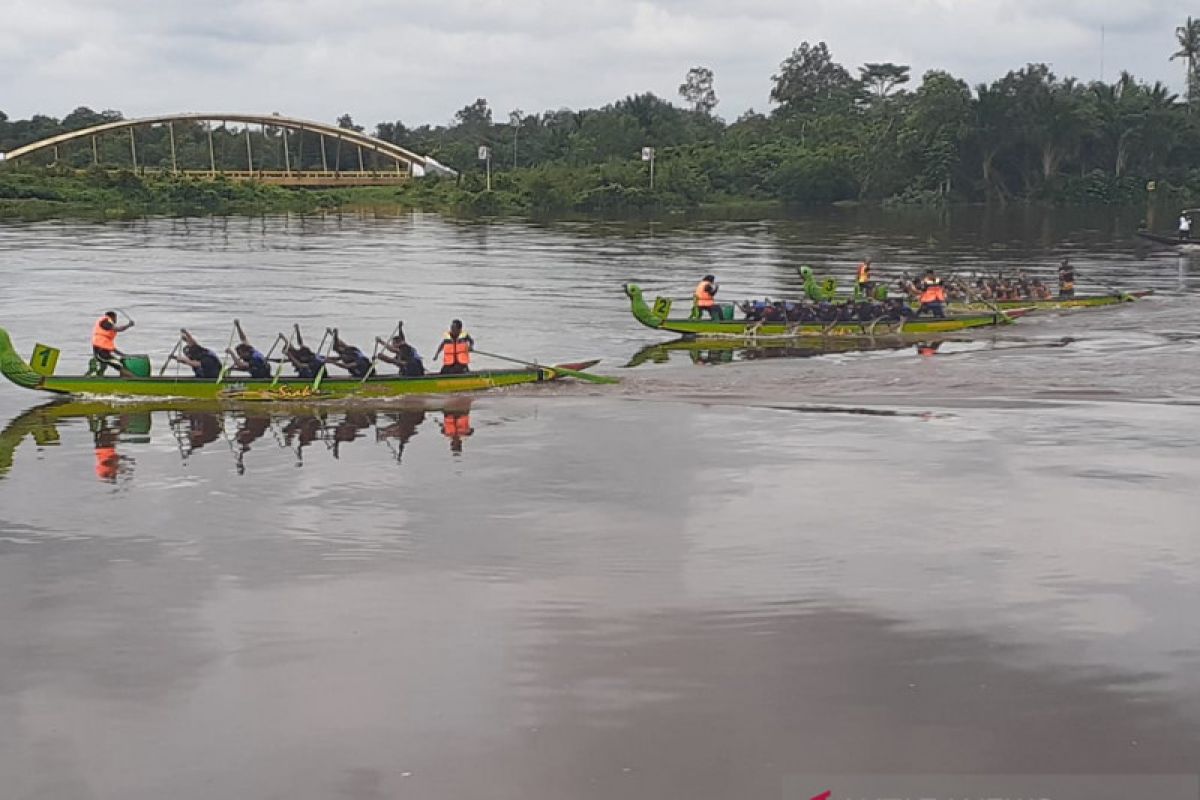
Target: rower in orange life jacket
[(705, 297), (455, 349), (104, 342), (933, 295)]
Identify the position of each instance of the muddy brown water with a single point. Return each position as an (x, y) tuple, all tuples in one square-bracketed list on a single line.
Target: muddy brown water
[(729, 571)]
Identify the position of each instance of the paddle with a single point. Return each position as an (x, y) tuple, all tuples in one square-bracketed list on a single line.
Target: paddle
[(574, 373), (163, 370), (375, 351)]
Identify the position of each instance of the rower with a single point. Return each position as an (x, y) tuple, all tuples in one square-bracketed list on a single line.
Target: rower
[(306, 363), (455, 349), (1066, 280), (204, 362), (104, 344), (1185, 226), (404, 355), (246, 357), (349, 358), (933, 295), (705, 297), (863, 283)]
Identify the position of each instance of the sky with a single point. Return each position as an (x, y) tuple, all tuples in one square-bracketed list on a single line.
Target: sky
[(419, 61)]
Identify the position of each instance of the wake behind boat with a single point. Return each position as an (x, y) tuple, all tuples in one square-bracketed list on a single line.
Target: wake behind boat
[(224, 387)]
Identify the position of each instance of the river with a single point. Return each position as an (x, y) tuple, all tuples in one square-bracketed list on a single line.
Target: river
[(727, 573)]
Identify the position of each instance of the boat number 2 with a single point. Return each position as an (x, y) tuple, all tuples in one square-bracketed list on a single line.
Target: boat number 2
[(662, 307)]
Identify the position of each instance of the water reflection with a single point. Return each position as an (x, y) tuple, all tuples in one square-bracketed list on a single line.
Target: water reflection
[(709, 352), (118, 432)]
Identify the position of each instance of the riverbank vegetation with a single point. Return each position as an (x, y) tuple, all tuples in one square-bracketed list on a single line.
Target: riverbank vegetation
[(831, 135)]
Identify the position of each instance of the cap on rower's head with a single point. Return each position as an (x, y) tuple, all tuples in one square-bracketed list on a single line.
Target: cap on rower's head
[(111, 315)]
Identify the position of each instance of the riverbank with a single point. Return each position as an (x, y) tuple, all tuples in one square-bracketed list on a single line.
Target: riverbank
[(612, 190)]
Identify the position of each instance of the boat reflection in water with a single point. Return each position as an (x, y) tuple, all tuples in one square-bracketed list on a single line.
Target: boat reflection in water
[(727, 351), (118, 430)]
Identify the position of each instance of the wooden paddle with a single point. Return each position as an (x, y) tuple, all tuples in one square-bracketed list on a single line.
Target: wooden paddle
[(574, 373)]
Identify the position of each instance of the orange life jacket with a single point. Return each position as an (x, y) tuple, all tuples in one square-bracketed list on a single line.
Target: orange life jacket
[(864, 273), (455, 351), (104, 339), (934, 293), (703, 294)]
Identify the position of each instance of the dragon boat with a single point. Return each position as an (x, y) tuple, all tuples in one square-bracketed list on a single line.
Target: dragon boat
[(1168, 241), (658, 317), (818, 290), (40, 376)]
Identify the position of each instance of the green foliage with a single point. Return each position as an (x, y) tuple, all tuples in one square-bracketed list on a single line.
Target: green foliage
[(1027, 135)]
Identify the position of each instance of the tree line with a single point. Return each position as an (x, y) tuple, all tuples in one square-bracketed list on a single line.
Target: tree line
[(832, 134)]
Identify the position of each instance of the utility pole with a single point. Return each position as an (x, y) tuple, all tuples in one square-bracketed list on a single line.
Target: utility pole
[(648, 155)]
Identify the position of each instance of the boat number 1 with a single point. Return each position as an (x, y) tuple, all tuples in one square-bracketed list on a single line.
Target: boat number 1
[(44, 360)]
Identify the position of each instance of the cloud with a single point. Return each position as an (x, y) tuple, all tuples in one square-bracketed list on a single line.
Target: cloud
[(420, 61)]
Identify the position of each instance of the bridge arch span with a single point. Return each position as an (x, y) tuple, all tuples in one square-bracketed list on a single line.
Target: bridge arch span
[(413, 162)]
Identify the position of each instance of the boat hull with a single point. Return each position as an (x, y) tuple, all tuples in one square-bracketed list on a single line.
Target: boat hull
[(1054, 303), (291, 388)]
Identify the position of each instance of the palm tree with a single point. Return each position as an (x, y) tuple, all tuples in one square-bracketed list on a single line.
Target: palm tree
[(1188, 37)]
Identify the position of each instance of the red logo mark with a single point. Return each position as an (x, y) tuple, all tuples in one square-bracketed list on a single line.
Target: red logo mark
[(825, 795)]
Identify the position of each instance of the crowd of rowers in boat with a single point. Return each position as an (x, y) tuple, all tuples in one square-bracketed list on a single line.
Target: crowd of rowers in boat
[(929, 292), (454, 350)]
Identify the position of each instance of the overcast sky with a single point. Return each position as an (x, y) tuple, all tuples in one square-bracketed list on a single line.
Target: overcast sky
[(421, 60)]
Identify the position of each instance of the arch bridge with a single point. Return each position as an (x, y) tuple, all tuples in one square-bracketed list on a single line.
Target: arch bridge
[(334, 156)]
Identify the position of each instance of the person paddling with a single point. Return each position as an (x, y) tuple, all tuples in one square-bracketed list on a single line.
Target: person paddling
[(104, 344), (1066, 280), (404, 355), (705, 297), (246, 357), (349, 358), (204, 362), (455, 349), (306, 363)]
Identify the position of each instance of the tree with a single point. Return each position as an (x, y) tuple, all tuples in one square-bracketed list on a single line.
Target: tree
[(936, 128), (475, 117), (697, 90), (1188, 38), (346, 122), (881, 79), (809, 81)]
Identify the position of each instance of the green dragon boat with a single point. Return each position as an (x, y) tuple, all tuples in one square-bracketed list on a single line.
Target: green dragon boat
[(657, 317), (42, 378)]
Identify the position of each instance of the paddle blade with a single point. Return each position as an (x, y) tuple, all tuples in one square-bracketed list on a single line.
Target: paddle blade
[(584, 376)]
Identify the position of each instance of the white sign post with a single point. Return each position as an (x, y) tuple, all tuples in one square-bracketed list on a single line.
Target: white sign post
[(485, 155), (648, 155)]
